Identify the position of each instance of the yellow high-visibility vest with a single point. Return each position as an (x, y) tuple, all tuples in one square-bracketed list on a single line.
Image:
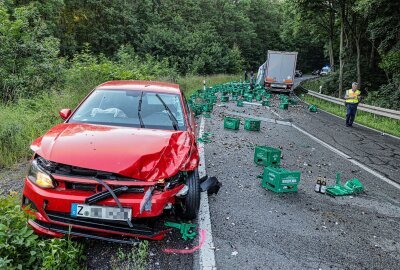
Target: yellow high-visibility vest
[(354, 96)]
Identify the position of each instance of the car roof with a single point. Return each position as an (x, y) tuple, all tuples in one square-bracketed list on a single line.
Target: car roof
[(151, 86)]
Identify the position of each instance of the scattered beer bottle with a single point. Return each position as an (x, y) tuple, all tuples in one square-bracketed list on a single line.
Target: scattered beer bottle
[(323, 185), (318, 184)]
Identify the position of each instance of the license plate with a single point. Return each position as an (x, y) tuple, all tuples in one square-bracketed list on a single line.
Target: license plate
[(100, 212), (278, 85)]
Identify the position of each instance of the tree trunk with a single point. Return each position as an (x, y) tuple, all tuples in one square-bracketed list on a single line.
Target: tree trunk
[(372, 56), (341, 53), (331, 26), (357, 40)]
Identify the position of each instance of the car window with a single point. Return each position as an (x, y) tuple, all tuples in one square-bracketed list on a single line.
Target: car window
[(120, 108)]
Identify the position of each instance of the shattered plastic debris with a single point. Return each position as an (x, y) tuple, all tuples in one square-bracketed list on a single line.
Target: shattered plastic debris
[(187, 230), (210, 184), (351, 187), (205, 138)]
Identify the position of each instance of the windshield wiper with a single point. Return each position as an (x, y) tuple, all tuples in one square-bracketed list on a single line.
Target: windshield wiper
[(170, 114), (139, 110)]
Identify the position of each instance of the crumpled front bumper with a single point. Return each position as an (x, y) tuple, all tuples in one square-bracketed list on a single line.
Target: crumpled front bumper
[(52, 214)]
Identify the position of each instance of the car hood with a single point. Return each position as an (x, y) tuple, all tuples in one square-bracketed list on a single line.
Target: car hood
[(143, 154)]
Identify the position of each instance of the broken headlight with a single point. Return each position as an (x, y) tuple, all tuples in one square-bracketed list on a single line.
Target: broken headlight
[(171, 182), (40, 177)]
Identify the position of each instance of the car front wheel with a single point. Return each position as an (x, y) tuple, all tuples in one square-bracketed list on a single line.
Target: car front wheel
[(191, 203)]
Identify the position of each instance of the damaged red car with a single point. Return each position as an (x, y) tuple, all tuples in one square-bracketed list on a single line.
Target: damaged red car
[(124, 157)]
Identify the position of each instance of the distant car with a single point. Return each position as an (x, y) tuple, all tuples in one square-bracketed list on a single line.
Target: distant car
[(316, 72), (298, 73), (125, 156), (325, 71)]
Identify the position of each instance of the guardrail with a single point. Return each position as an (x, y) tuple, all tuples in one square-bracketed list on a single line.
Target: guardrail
[(363, 107)]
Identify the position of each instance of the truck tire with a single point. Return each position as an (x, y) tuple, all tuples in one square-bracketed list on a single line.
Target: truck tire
[(192, 199)]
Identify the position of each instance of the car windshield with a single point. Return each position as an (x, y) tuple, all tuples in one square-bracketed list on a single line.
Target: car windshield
[(121, 108)]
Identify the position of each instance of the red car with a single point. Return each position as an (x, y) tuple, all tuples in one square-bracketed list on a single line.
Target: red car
[(122, 158)]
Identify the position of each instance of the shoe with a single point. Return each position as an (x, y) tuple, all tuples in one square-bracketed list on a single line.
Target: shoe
[(348, 125)]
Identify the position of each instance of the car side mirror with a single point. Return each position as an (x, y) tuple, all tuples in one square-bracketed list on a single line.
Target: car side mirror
[(64, 113)]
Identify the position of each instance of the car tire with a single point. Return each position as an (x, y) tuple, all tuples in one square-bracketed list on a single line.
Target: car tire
[(192, 199)]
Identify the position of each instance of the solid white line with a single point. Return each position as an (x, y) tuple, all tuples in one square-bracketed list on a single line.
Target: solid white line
[(355, 162), (349, 158), (206, 252), (333, 149)]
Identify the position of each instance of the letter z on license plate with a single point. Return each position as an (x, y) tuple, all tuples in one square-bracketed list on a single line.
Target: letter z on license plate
[(100, 212)]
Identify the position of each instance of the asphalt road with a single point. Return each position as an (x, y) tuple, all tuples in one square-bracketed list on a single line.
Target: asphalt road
[(257, 229)]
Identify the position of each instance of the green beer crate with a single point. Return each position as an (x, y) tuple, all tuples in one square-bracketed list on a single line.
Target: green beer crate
[(283, 106), (224, 98), (212, 99), (231, 122), (265, 103), (208, 107), (252, 124), (280, 180), (293, 101), (249, 98), (267, 156), (312, 108)]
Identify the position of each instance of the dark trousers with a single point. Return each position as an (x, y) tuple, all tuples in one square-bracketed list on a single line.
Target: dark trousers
[(351, 113)]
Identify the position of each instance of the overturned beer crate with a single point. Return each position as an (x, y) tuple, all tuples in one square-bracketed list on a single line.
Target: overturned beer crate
[(267, 156), (280, 180), (231, 122)]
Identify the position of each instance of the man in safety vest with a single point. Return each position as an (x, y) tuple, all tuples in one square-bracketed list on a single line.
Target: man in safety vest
[(352, 98)]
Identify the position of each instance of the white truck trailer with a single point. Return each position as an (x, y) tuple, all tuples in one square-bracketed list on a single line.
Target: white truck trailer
[(280, 70)]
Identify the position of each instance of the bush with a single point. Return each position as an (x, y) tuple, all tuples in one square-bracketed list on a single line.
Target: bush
[(29, 54), (20, 248)]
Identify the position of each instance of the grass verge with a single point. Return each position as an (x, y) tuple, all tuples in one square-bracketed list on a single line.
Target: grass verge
[(381, 123)]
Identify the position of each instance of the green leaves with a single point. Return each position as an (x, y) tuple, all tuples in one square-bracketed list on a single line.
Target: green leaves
[(20, 248)]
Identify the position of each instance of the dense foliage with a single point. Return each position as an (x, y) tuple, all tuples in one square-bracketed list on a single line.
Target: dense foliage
[(358, 38), (20, 248), (361, 41)]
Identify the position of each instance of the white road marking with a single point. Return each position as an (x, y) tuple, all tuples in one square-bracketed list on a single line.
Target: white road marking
[(328, 146), (206, 252)]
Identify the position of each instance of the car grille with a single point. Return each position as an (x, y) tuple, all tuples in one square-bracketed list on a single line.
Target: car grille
[(139, 226)]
